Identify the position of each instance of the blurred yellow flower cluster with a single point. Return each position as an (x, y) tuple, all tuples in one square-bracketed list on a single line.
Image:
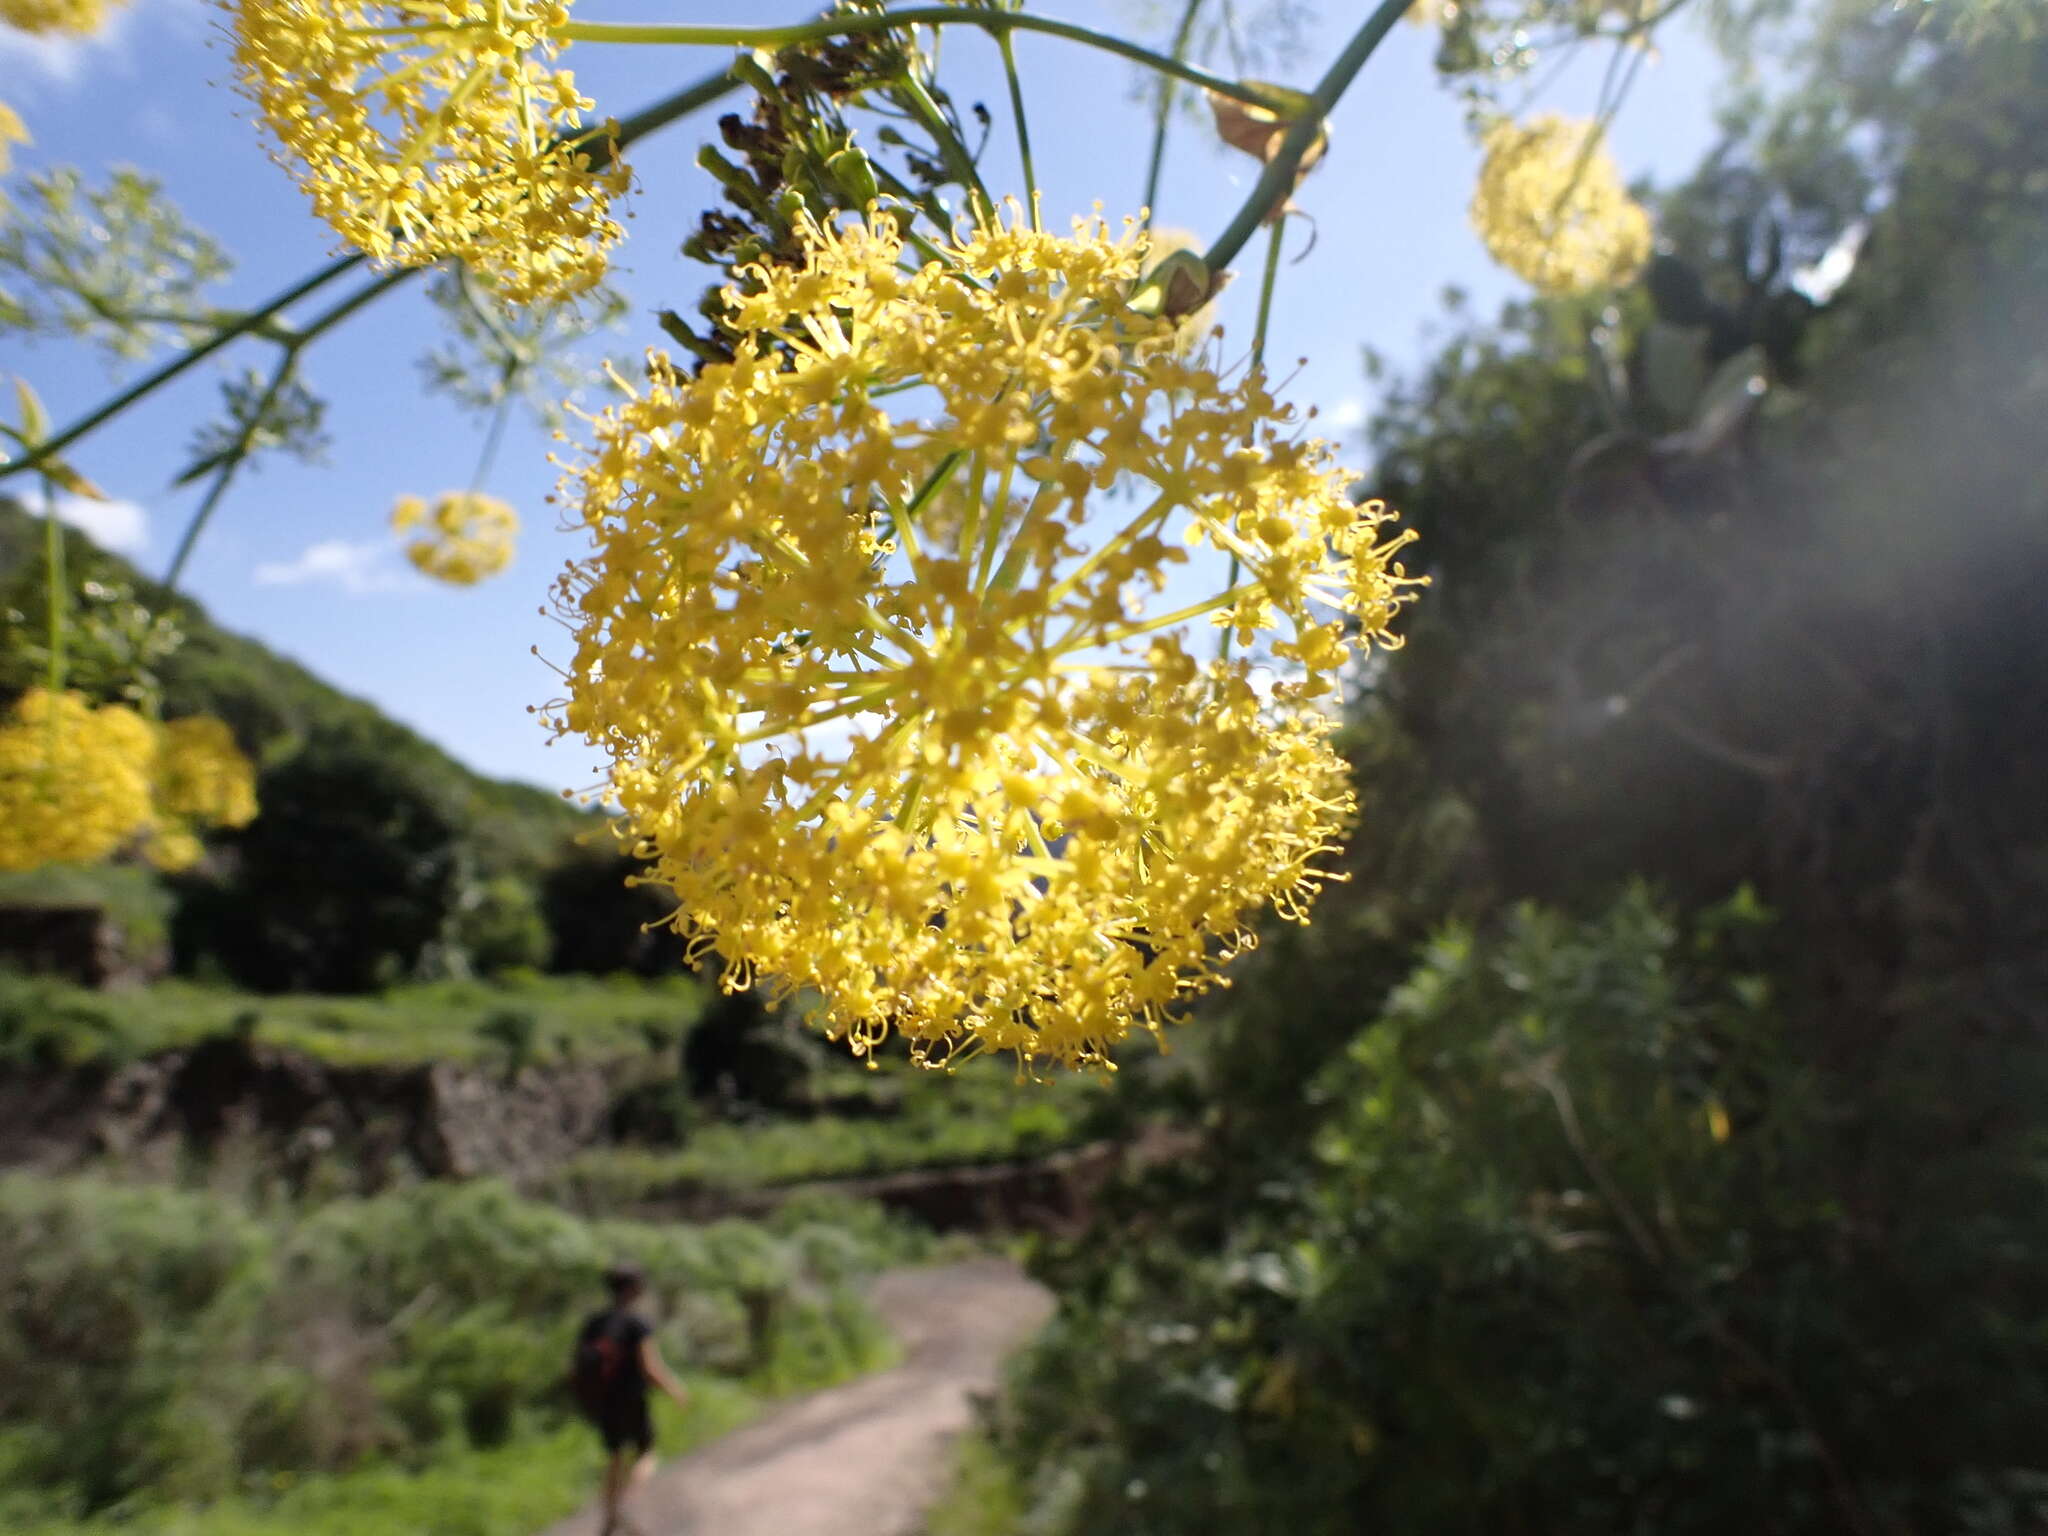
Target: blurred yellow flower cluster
[(1551, 207), (426, 129), (202, 779), (461, 539), (72, 18), (865, 638), (75, 781), (79, 783)]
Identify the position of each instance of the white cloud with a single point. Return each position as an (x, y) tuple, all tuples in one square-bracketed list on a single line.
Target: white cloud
[(60, 60), (121, 526), (1347, 415), (354, 568)]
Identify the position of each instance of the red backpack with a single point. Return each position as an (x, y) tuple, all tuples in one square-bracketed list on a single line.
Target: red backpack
[(596, 1367)]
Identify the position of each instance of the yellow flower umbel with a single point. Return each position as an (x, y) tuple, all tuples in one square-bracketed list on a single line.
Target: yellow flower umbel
[(73, 18), (461, 539), (425, 129), (202, 779), (74, 780), (1551, 207), (864, 641)]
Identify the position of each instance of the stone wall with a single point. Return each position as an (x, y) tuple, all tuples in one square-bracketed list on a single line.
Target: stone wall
[(297, 1116)]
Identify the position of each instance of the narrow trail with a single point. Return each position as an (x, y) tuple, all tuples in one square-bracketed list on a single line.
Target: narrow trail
[(866, 1458)]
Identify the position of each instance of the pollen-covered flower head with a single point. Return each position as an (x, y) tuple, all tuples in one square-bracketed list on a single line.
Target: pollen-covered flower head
[(424, 129), (460, 539), (71, 18), (1551, 207), (872, 637), (74, 780)]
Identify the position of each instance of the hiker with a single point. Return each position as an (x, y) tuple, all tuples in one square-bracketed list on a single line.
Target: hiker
[(615, 1361)]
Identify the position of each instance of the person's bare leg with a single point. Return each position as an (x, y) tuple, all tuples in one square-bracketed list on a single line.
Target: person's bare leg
[(643, 1469), (618, 1474)]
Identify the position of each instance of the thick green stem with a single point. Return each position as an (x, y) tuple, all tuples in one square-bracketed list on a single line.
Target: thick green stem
[(262, 321), (1277, 180), (242, 325), (1164, 113), (987, 18)]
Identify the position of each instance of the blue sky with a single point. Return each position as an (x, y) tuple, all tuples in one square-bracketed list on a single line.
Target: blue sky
[(301, 557)]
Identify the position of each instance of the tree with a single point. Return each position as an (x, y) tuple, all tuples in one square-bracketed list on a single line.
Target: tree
[(353, 870)]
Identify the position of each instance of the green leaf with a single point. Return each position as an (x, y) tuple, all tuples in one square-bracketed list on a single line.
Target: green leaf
[(35, 421)]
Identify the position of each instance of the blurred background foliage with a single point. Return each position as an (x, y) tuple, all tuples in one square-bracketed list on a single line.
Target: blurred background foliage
[(1649, 1137)]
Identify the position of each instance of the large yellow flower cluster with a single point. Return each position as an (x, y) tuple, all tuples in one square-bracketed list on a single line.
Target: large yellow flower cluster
[(1551, 206), (75, 781), (865, 640), (79, 783), (73, 18), (425, 129), (462, 538)]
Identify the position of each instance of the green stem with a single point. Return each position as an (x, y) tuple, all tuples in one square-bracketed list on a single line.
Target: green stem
[(986, 17), (1165, 111), (958, 160), (241, 326), (1267, 282), (225, 475), (262, 320), (56, 596), (1277, 180), (1023, 126), (493, 436)]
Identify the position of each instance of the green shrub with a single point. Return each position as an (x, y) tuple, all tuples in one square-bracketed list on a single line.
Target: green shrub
[(163, 1346), (1580, 1245)]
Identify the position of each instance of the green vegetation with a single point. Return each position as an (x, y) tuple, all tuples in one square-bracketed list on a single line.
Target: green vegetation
[(174, 1360), (980, 1114), (981, 1497), (273, 704), (379, 859), (566, 1017)]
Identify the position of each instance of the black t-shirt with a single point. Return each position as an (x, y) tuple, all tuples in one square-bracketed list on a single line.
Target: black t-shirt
[(621, 1332)]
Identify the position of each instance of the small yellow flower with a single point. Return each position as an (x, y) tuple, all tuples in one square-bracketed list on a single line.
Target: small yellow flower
[(866, 638), (463, 537), (425, 129), (1551, 206), (74, 780), (11, 133), (74, 18)]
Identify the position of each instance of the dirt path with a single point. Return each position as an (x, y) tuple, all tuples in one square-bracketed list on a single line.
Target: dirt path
[(867, 1458)]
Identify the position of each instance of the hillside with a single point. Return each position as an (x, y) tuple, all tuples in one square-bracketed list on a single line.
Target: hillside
[(273, 703)]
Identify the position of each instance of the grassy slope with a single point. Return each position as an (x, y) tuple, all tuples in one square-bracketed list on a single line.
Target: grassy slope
[(575, 1016), (979, 1114), (514, 1489)]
